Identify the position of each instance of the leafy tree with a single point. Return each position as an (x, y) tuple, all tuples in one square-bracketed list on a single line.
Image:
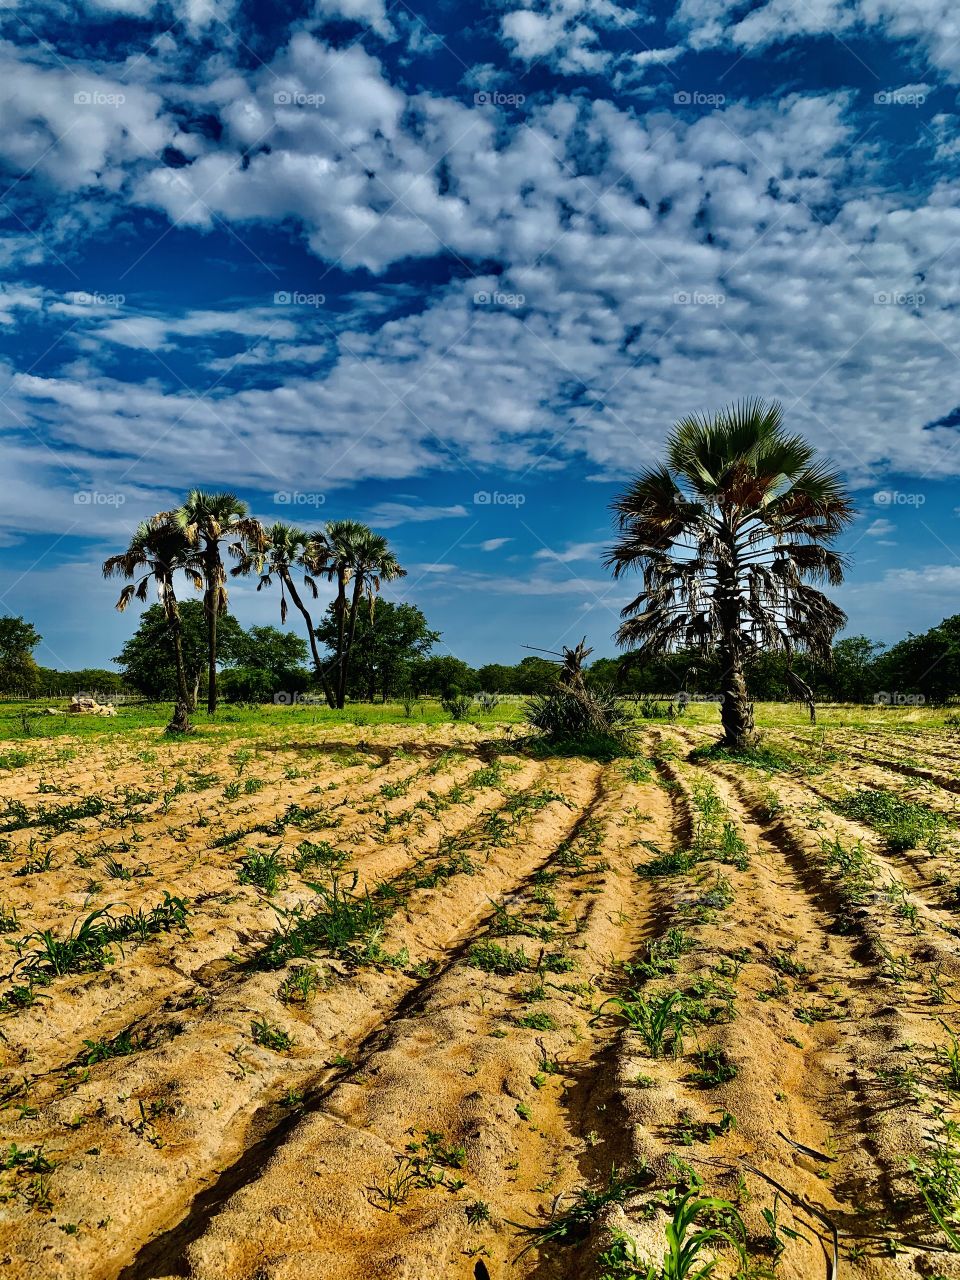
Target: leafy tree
[(157, 550), (351, 554), (208, 521), (926, 664), (257, 684), (270, 649), (86, 680), (443, 675), (18, 670), (148, 659), (853, 675), (729, 536), (496, 677), (387, 645), (535, 675)]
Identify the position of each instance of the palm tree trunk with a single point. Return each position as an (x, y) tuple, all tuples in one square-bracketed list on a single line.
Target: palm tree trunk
[(212, 660), (351, 634), (341, 630), (736, 709), (176, 631), (212, 600), (317, 663)]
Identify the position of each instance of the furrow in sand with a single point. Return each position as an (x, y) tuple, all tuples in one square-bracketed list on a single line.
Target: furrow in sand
[(174, 971), (210, 1093), (511, 1069)]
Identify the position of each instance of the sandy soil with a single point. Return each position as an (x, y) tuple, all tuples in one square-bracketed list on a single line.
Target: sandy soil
[(393, 1046)]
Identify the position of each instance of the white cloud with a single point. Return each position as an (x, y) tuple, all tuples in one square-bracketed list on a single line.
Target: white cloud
[(494, 544), (603, 221), (388, 514), (788, 299), (75, 127), (657, 57), (18, 298), (939, 580), (576, 551), (879, 528), (933, 24), (370, 13), (565, 32)]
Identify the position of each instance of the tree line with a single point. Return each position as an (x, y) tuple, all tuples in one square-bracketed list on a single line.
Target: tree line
[(730, 535), (393, 656)]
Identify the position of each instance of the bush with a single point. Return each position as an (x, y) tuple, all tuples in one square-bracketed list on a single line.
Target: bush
[(410, 702), (456, 704), (589, 721), (656, 709), (256, 684)]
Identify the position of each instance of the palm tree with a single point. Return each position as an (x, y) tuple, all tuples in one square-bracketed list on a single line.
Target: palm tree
[(158, 548), (207, 520), (348, 551), (286, 548), (373, 563), (729, 536)]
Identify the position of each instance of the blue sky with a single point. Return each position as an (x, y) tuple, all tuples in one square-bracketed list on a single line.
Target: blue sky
[(456, 270)]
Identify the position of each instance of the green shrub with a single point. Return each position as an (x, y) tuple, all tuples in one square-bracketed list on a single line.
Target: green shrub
[(585, 721), (456, 705)]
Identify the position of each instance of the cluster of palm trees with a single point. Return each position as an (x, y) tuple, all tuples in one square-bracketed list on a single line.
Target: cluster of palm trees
[(194, 538), (729, 537)]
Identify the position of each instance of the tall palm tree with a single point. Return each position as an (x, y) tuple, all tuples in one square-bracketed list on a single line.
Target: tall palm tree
[(347, 551), (285, 549), (208, 520), (373, 564), (729, 536), (157, 550)]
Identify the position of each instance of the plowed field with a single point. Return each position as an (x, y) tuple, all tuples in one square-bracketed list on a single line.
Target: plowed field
[(401, 1001)]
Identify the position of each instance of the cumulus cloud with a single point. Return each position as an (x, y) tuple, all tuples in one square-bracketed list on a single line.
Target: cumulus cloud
[(75, 127), (565, 32), (634, 266), (669, 265), (369, 13), (933, 25), (879, 528)]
